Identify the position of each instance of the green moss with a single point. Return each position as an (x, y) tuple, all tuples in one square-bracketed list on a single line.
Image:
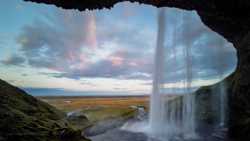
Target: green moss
[(24, 118)]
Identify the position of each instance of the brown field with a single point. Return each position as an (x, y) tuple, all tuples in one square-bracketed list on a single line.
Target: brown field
[(74, 103), (98, 108)]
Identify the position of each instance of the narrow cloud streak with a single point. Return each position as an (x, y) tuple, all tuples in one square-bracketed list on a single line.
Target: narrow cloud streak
[(14, 60), (91, 30)]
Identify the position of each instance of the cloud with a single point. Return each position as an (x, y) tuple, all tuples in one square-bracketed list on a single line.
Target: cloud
[(53, 74), (66, 41), (13, 60), (88, 44), (117, 65), (57, 45)]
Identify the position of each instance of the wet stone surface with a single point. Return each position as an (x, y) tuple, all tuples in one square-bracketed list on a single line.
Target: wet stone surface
[(123, 135)]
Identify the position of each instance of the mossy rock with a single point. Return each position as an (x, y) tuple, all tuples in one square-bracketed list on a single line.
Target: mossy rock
[(25, 118)]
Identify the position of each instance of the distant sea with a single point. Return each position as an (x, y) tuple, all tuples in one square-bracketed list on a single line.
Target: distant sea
[(62, 92)]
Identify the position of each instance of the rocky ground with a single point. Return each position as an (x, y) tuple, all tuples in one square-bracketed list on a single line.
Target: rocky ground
[(206, 133)]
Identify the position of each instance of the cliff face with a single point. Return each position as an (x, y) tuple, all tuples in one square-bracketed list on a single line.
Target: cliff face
[(229, 18), (208, 101), (240, 97), (24, 118)]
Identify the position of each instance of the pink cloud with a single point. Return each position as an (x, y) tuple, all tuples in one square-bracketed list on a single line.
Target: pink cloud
[(116, 60), (90, 30)]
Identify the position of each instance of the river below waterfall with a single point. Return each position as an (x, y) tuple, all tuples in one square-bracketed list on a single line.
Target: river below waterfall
[(118, 133)]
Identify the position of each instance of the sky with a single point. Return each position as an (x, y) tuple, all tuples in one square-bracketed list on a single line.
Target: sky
[(50, 51)]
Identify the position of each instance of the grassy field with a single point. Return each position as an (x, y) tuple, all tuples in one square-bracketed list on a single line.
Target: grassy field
[(75, 103), (98, 108)]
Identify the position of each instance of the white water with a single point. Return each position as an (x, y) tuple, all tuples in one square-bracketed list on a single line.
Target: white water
[(156, 102), (221, 92), (170, 118), (188, 105), (223, 104)]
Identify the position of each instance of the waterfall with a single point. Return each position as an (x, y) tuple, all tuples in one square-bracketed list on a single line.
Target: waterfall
[(220, 93), (188, 106), (171, 116), (223, 104), (172, 113), (156, 105)]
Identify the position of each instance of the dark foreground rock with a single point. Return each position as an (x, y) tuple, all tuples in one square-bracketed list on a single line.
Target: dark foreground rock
[(25, 118)]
